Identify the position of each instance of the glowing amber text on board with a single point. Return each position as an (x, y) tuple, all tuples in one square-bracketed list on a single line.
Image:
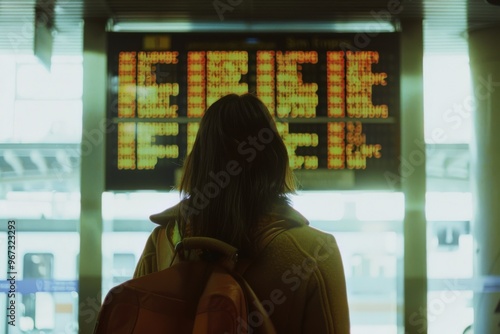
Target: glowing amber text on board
[(279, 83)]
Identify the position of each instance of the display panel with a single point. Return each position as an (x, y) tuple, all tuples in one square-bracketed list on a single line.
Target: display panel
[(336, 103)]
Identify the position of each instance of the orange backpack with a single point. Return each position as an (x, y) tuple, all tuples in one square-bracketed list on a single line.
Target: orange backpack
[(201, 296)]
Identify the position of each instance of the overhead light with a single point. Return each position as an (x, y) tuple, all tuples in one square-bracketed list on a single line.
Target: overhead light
[(162, 26)]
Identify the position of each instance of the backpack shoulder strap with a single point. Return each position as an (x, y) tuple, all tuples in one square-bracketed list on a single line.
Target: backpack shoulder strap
[(266, 326)]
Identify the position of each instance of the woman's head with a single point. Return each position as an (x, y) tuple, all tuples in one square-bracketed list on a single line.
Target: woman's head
[(237, 169)]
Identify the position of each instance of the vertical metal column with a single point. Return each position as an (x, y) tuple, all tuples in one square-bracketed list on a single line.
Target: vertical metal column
[(413, 179), (92, 172), (484, 51)]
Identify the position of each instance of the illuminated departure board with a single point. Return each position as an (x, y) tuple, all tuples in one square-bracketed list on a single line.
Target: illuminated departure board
[(336, 103)]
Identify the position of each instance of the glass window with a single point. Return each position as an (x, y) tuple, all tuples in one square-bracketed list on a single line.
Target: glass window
[(38, 306), (48, 121), (449, 262), (40, 133), (123, 267), (448, 99), (368, 230), (448, 111), (63, 82)]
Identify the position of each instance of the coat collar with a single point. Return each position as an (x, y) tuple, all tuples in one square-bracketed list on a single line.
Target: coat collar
[(166, 216), (281, 212)]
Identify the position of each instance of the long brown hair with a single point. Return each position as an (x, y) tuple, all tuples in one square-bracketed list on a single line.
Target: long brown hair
[(237, 170)]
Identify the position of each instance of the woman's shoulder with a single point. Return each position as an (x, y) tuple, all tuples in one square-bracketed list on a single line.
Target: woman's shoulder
[(311, 240), (292, 231)]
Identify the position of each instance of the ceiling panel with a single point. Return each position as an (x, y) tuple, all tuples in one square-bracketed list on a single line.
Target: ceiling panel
[(444, 20)]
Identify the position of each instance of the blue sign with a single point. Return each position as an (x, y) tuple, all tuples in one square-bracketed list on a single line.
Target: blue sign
[(39, 285)]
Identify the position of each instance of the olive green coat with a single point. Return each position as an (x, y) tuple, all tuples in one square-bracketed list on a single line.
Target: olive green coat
[(298, 277)]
